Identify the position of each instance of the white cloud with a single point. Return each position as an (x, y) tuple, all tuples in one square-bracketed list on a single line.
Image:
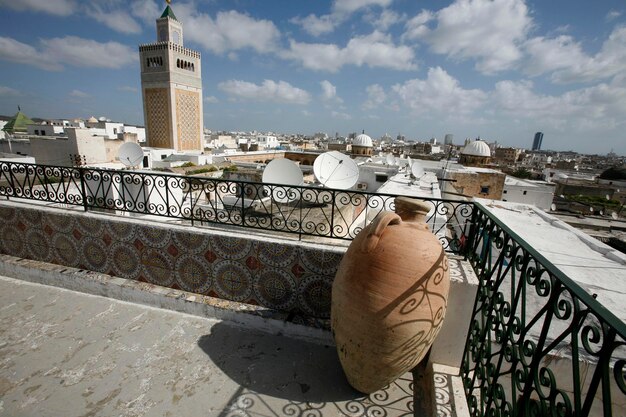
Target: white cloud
[(53, 54), (8, 92), (613, 14), (341, 11), (351, 6), (268, 91), (78, 94), (374, 50), (439, 93), (211, 99), (228, 31), (489, 31), (385, 19), (55, 7), (128, 89), (608, 62), (21, 53), (329, 92), (146, 10), (80, 52), (375, 96), (551, 54), (315, 25), (118, 20), (340, 115)]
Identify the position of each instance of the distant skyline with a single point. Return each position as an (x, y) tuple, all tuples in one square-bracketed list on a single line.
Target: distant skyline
[(501, 69)]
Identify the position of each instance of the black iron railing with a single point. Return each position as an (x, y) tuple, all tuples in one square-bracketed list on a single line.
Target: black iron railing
[(306, 211), (538, 344)]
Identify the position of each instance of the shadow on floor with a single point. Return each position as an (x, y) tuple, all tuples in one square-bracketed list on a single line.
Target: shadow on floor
[(278, 366)]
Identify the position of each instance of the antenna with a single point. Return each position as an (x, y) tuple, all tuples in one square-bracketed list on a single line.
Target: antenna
[(130, 154), (336, 170), (417, 170), (284, 172)]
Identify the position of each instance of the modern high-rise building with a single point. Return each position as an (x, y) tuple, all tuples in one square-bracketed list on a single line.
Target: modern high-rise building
[(448, 139), (537, 141), (171, 85)]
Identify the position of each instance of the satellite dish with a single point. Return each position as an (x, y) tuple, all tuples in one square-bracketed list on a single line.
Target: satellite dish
[(390, 159), (614, 216), (336, 170), (408, 161), (553, 207), (130, 154), (283, 172), (417, 170)]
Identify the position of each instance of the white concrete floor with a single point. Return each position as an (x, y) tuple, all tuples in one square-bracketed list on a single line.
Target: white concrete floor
[(64, 353)]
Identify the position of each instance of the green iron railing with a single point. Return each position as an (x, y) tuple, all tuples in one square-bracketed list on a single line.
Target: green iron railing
[(538, 344)]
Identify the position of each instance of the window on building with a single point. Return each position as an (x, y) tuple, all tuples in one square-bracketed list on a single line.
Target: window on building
[(484, 189), (163, 156), (145, 162), (504, 192), (525, 192), (381, 177)]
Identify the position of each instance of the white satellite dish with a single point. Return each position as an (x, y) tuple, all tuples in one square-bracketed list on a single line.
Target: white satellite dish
[(614, 216), (390, 160), (336, 170), (130, 154), (283, 172), (417, 170), (553, 207)]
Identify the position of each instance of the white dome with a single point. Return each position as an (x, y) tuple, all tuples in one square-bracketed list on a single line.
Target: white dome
[(477, 148), (363, 140)]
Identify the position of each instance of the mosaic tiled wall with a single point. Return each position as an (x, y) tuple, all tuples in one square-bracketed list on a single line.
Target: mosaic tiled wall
[(289, 276)]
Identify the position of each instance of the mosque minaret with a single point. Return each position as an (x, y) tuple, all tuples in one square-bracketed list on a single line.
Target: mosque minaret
[(171, 85)]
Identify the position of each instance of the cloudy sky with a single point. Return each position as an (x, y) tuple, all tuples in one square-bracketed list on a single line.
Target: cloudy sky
[(498, 69)]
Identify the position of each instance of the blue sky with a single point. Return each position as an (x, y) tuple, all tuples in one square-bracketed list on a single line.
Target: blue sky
[(500, 69)]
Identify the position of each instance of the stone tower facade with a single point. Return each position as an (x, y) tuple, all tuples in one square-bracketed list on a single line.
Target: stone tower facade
[(171, 85)]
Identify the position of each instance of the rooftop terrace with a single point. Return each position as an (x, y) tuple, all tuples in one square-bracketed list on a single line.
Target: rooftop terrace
[(541, 304)]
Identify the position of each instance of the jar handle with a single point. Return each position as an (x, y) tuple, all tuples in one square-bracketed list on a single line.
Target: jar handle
[(379, 224)]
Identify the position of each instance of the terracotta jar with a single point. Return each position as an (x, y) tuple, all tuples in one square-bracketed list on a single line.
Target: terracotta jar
[(389, 297)]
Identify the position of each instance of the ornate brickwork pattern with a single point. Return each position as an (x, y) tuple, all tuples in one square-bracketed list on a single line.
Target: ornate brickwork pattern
[(188, 119), (158, 115), (288, 277)]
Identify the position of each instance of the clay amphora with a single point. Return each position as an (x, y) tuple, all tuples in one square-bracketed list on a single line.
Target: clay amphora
[(389, 297)]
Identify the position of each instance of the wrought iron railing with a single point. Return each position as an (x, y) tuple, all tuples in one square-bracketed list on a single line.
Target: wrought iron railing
[(538, 344), (306, 211)]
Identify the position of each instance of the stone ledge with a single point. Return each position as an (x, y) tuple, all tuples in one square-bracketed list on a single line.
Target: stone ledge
[(95, 283)]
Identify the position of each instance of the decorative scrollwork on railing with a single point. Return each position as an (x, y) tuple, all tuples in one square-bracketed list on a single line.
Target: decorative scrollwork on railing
[(538, 344), (303, 210)]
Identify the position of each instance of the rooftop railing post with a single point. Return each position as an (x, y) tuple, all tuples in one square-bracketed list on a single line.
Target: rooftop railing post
[(471, 234), (82, 188), (332, 214)]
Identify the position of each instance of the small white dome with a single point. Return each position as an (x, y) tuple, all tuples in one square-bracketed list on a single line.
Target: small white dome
[(363, 140), (477, 148)]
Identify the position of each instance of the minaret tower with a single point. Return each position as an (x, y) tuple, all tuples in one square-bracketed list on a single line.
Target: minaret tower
[(171, 86)]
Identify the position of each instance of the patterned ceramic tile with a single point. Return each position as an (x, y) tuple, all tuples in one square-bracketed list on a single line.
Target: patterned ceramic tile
[(193, 273), (233, 281), (275, 288), (64, 250), (157, 267), (188, 242), (94, 254), (32, 217), (125, 260), (11, 242), (90, 226), (314, 294), (320, 261), (121, 231), (155, 237), (60, 223), (230, 247), (275, 254), (8, 214)]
